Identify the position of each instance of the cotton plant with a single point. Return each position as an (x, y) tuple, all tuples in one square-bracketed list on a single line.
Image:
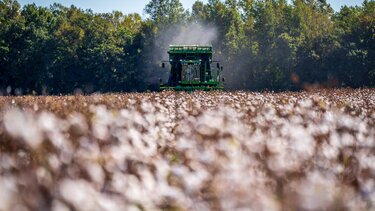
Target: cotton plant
[(189, 151)]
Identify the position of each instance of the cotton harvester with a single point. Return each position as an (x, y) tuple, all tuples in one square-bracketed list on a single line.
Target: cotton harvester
[(191, 69)]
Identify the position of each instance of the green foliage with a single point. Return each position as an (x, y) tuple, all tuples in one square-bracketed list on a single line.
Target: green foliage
[(60, 50), (164, 12), (264, 44)]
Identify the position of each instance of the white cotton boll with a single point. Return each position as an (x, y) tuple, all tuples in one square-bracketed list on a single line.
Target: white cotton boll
[(89, 150), (8, 193), (118, 182), (20, 207), (266, 201), (6, 162), (282, 162), (322, 128), (147, 179), (329, 117), (302, 142), (256, 142), (110, 203), (59, 140), (366, 160), (162, 169), (43, 176), (371, 198), (101, 121), (147, 107), (287, 154), (180, 170), (338, 168), (211, 120), (100, 131), (121, 120), (136, 138), (137, 118), (232, 148), (54, 162), (66, 156), (47, 121), (196, 181), (134, 190), (307, 103), (150, 146), (83, 196), (206, 130), (193, 180), (317, 191), (21, 125), (200, 206), (96, 173), (335, 140), (59, 206), (53, 129), (347, 122), (363, 127), (329, 151), (276, 145), (80, 194), (368, 186), (347, 140), (294, 120), (207, 157), (151, 120)]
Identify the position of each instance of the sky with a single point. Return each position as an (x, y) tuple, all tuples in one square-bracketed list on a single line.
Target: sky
[(131, 6)]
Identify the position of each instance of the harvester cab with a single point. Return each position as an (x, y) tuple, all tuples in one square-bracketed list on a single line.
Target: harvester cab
[(191, 69)]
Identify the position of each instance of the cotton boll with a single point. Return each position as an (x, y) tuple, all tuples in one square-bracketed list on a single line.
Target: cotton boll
[(303, 143), (6, 162), (276, 145), (101, 121), (329, 151), (78, 193), (347, 140), (59, 206), (96, 174), (54, 162), (317, 191), (22, 125), (8, 193), (134, 190), (48, 122), (43, 176)]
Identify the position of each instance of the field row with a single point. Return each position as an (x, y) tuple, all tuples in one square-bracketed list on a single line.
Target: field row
[(189, 151)]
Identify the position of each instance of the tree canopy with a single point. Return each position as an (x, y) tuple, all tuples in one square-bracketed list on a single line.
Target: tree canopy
[(263, 44)]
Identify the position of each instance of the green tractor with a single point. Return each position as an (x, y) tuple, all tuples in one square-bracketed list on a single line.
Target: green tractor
[(191, 69)]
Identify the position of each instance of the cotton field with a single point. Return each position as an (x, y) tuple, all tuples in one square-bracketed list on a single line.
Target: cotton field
[(189, 151)]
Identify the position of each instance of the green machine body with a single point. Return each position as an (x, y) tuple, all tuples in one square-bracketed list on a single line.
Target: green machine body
[(191, 69)]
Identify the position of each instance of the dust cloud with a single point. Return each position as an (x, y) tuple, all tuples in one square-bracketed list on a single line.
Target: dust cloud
[(186, 34)]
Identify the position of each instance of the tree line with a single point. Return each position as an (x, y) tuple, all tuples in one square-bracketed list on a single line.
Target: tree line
[(263, 45)]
